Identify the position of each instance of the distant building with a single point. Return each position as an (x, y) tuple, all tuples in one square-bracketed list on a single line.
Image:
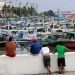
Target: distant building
[(2, 4)]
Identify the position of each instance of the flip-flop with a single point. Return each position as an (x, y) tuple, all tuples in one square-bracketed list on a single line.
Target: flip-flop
[(60, 73), (50, 72), (63, 71)]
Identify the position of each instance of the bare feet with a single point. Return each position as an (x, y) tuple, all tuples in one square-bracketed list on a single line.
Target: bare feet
[(49, 72)]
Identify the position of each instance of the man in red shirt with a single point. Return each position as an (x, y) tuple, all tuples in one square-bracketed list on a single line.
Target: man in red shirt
[(10, 48)]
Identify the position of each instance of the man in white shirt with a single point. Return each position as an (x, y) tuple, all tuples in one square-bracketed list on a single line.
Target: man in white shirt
[(46, 57)]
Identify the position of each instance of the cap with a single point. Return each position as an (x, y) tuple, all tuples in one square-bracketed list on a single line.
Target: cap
[(34, 39)]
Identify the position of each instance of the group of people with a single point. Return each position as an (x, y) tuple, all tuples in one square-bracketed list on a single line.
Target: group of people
[(45, 51), (35, 49)]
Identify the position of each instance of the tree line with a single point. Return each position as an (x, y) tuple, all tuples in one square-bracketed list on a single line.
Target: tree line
[(12, 11)]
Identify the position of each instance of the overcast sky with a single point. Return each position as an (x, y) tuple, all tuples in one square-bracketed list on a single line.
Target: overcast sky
[(44, 5)]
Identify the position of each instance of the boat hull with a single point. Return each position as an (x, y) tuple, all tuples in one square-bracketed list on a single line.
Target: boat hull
[(67, 44), (2, 44)]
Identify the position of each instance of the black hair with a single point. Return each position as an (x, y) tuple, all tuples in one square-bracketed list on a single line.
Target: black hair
[(59, 43), (10, 38), (44, 45)]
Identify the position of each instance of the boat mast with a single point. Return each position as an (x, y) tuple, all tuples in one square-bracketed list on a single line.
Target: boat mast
[(58, 17), (36, 8), (20, 8), (10, 9), (5, 9), (16, 7)]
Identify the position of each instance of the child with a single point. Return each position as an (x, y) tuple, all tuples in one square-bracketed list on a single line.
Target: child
[(46, 57)]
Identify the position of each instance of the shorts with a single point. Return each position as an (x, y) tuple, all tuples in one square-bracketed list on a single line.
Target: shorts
[(46, 60), (61, 62), (11, 55)]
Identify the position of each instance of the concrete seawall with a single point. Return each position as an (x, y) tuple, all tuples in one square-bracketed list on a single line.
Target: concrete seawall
[(28, 64)]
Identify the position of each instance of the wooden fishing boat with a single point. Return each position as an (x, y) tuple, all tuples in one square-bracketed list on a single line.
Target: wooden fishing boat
[(67, 43)]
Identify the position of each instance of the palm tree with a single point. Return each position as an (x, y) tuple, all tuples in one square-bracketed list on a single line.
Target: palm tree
[(4, 9)]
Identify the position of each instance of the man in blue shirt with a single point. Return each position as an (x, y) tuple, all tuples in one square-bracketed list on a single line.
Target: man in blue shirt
[(35, 47)]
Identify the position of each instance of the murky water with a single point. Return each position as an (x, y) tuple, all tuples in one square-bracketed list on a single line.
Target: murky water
[(19, 50)]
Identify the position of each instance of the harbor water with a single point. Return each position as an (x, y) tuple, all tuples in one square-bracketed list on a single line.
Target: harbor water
[(19, 50)]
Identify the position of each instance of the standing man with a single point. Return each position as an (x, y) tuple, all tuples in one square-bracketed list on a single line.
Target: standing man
[(10, 48), (45, 51), (35, 47), (61, 57)]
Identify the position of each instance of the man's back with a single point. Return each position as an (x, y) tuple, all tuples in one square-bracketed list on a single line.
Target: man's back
[(10, 49), (35, 48), (61, 49)]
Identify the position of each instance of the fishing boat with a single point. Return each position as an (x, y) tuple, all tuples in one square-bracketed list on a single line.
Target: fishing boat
[(65, 42)]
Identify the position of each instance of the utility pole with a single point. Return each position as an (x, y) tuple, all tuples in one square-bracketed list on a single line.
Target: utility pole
[(16, 7), (32, 5), (36, 8), (4, 11), (58, 11), (58, 17), (20, 8), (33, 8), (10, 9), (27, 5)]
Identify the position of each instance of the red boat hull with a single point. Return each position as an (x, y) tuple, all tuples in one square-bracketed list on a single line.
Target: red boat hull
[(67, 44)]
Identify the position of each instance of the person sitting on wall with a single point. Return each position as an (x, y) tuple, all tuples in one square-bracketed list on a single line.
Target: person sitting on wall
[(10, 48), (35, 47)]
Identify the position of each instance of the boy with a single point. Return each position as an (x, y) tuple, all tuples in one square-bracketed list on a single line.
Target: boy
[(61, 57)]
